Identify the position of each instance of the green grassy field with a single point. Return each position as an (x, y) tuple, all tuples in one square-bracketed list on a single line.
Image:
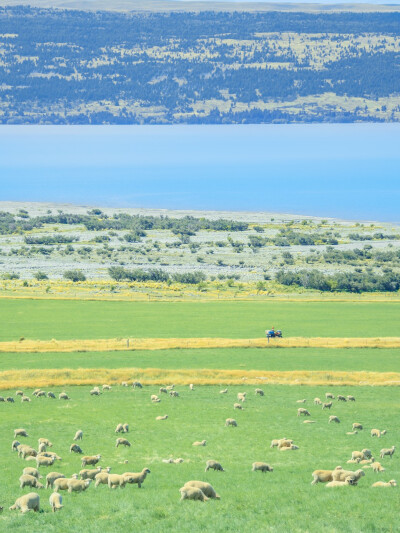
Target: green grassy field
[(59, 319), (250, 501), (387, 360)]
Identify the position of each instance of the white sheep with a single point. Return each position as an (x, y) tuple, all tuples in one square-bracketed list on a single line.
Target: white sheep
[(329, 395), (162, 417), (106, 387), (387, 451), (351, 398), (101, 478), (63, 396), (78, 435), (206, 488), (391, 483), (262, 467), (348, 481), (155, 398), (26, 480), (90, 474), (46, 442), (55, 501), (259, 392), (122, 442), (333, 419), (119, 428), (44, 461), (317, 401), (117, 480), (241, 396), (32, 472), (323, 476), (90, 460), (341, 475), (20, 433), (301, 401), (137, 477), (327, 405), (51, 477), (200, 443), (302, 411), (27, 502), (224, 391), (75, 448), (238, 406), (137, 385), (174, 394), (125, 428), (214, 465), (25, 399), (191, 386), (192, 493), (61, 483), (163, 390), (230, 422), (78, 485), (377, 467), (356, 425)]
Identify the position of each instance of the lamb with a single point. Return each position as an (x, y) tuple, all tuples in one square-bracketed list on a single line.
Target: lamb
[(32, 472), (391, 483), (27, 502), (341, 475), (90, 459), (14, 445), (137, 477), (101, 478), (377, 467), (387, 451), (51, 395), (260, 392), (341, 398), (224, 391), (78, 435), (327, 405), (51, 477), (78, 485), (192, 493), (163, 390), (214, 465), (348, 481), (119, 428), (90, 474), (317, 401), (162, 417), (329, 395), (44, 461), (55, 501), (117, 480), (174, 394), (351, 398), (262, 467), (63, 396), (333, 419), (230, 422), (20, 433), (356, 425), (302, 411), (200, 443), (206, 488), (26, 480), (322, 476), (238, 406), (155, 398), (125, 428), (122, 442), (46, 442), (75, 448), (137, 385)]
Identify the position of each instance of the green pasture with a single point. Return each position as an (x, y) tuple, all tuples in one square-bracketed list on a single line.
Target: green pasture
[(63, 319), (348, 359), (250, 501)]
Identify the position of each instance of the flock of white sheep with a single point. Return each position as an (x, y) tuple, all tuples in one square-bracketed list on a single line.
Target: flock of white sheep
[(192, 490)]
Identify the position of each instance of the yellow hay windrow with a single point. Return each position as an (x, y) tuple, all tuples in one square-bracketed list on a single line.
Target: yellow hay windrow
[(12, 379), (94, 345)]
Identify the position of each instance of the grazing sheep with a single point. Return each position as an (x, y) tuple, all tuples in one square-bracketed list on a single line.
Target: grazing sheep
[(377, 433), (302, 411), (163, 390), (35, 392), (317, 401), (95, 392), (106, 387), (26, 451), (137, 477), (75, 448), (200, 443), (276, 442), (20, 433), (14, 445), (356, 425), (50, 454), (192, 493), (263, 467), (391, 483), (2, 399), (44, 461), (124, 384), (119, 428), (341, 398), (101, 478), (90, 459), (46, 442), (348, 481), (90, 474), (341, 475), (19, 393), (78, 485), (41, 394), (26, 480), (155, 399), (137, 385), (284, 443), (327, 405), (61, 483), (78, 435), (51, 395), (9, 399), (117, 480), (174, 394), (351, 398), (51, 477), (125, 428), (224, 391), (27, 502), (207, 489), (63, 396), (377, 467), (162, 417), (367, 453), (122, 442), (357, 455), (25, 399), (322, 476), (42, 447), (238, 406), (55, 501), (333, 418), (260, 392), (170, 387), (329, 395), (301, 401), (241, 396), (230, 422), (387, 451), (32, 472), (214, 465), (191, 386)]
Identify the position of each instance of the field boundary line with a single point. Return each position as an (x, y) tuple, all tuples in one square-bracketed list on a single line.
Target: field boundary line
[(10, 379), (131, 344)]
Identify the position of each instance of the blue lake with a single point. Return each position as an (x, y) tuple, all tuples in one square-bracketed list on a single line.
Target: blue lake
[(344, 170)]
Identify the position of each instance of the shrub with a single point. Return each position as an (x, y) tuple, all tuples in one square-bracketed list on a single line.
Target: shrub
[(74, 275), (40, 275)]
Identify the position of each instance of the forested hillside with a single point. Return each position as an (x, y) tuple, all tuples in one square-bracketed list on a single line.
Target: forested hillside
[(80, 67)]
